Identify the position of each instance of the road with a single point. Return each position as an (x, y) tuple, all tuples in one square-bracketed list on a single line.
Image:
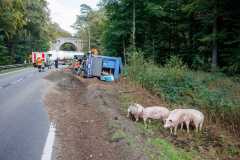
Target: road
[(24, 122)]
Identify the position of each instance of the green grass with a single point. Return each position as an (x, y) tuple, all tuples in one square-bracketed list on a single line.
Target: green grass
[(217, 95), (154, 147), (168, 151), (118, 135)]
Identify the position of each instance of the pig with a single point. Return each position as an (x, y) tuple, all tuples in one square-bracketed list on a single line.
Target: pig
[(155, 112), (136, 110), (196, 117), (181, 116)]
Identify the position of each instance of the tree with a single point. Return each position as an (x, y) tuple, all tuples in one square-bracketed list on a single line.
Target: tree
[(25, 26), (203, 33), (89, 26)]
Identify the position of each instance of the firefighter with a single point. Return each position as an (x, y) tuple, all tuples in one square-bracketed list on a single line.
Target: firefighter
[(39, 64), (56, 63), (43, 64)]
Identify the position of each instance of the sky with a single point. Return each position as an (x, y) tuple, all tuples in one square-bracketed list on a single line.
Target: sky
[(64, 11)]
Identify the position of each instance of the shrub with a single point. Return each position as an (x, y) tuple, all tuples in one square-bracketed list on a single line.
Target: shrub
[(214, 93)]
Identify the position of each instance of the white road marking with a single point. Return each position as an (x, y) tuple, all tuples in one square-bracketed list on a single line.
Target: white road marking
[(48, 148)]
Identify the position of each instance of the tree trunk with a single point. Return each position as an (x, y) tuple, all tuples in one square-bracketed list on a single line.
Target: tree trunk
[(153, 50), (134, 26), (124, 52), (215, 45), (89, 39)]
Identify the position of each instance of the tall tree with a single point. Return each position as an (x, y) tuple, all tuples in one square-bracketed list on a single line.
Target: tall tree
[(203, 33), (24, 26), (89, 26)]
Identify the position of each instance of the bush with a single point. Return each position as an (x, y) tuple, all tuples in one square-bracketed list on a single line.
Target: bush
[(213, 93)]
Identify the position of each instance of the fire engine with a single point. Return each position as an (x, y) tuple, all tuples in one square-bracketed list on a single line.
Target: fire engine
[(43, 55)]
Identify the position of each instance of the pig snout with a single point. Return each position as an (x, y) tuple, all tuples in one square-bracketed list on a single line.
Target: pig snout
[(168, 124)]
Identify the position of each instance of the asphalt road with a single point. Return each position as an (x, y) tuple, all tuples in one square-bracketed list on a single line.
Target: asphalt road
[(24, 122)]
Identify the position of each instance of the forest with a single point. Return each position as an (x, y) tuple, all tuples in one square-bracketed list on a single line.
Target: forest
[(204, 34), (25, 26)]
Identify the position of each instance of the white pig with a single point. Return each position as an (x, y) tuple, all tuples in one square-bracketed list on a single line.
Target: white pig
[(155, 112), (136, 110), (196, 117), (180, 116)]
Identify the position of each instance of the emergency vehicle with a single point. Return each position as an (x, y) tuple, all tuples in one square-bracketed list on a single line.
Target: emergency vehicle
[(46, 56), (36, 55)]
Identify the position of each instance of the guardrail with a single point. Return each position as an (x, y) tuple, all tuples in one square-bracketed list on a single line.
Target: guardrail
[(11, 66)]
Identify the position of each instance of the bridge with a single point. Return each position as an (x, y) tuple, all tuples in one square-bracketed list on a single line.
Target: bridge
[(78, 44)]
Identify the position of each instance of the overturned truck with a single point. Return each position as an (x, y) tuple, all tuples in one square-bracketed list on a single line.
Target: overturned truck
[(104, 67)]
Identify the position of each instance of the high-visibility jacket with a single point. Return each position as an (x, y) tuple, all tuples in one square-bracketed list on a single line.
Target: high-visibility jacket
[(39, 61)]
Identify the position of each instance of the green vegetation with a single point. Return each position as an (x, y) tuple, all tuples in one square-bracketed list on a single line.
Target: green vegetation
[(90, 25), (118, 135), (214, 93), (25, 26), (203, 33), (153, 146), (168, 151), (210, 144)]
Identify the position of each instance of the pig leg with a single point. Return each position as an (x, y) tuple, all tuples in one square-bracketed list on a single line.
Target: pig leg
[(200, 126), (181, 126), (137, 118), (171, 131), (149, 121), (196, 126), (128, 114), (187, 124), (145, 122), (175, 130)]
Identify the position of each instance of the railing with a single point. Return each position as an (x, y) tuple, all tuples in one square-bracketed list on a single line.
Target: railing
[(12, 66)]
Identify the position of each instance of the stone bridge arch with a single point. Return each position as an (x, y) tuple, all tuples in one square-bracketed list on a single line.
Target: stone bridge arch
[(56, 45)]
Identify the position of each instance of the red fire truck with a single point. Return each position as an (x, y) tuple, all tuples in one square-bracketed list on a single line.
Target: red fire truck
[(36, 55)]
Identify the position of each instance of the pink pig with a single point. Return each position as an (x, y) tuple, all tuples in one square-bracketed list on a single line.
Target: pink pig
[(136, 110), (181, 116), (155, 112)]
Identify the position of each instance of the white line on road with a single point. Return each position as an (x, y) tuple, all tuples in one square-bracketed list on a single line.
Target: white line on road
[(48, 148)]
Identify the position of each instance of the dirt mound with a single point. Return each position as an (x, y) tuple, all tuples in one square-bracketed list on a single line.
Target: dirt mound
[(87, 121)]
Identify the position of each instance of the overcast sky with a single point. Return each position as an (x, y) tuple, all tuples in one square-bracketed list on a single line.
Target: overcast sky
[(64, 11)]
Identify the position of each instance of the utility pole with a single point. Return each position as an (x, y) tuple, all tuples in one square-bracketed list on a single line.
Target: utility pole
[(134, 26)]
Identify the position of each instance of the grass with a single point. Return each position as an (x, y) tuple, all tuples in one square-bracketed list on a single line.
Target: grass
[(118, 135), (168, 151), (213, 142), (217, 95), (154, 147)]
